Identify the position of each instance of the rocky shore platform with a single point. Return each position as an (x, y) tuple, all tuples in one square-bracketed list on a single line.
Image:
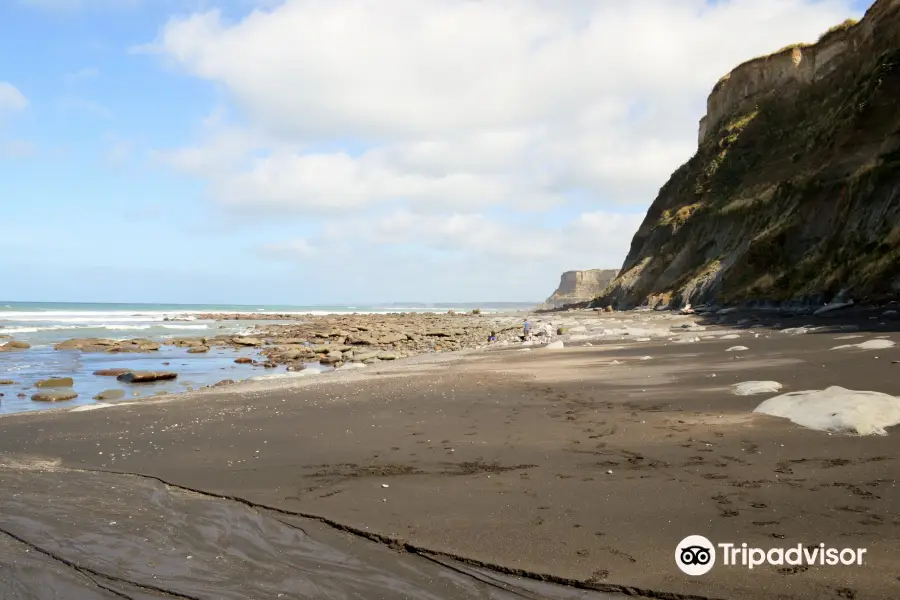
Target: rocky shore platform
[(582, 463)]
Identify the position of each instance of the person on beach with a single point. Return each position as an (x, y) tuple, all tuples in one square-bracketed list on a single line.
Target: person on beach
[(527, 330)]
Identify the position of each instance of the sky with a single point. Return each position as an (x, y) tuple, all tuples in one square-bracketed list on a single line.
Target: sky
[(348, 151)]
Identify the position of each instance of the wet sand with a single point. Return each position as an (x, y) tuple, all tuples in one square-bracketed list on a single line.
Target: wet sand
[(503, 459)]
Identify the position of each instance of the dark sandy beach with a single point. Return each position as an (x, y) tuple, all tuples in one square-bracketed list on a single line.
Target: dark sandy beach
[(585, 465)]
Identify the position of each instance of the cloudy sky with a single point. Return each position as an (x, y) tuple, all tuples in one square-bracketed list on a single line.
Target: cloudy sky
[(350, 151)]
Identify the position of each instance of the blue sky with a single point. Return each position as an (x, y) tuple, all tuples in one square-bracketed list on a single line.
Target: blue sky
[(172, 154)]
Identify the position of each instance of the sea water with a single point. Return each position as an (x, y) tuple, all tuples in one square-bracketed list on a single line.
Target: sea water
[(43, 324)]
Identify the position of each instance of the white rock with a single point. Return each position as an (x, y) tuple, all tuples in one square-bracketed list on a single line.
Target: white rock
[(832, 306), (557, 345), (351, 366), (798, 330), (737, 349), (645, 358), (836, 409), (870, 345), (384, 485), (730, 336), (750, 388)]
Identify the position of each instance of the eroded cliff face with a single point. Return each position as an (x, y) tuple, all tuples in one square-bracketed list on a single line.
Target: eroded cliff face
[(580, 286), (794, 192)]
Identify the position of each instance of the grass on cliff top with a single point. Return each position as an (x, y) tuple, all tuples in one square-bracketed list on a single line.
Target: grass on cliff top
[(844, 26), (840, 27)]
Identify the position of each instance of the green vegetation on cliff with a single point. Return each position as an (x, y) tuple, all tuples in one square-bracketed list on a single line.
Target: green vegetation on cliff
[(797, 197)]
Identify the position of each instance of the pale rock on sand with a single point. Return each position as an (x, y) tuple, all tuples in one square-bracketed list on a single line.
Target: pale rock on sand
[(730, 336), (737, 349), (645, 358), (351, 366), (749, 388), (557, 345), (798, 330), (836, 409), (848, 337), (870, 345), (86, 407), (689, 340)]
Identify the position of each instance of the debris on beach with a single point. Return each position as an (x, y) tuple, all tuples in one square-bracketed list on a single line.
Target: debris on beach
[(749, 388), (836, 409), (557, 345), (737, 349), (870, 345)]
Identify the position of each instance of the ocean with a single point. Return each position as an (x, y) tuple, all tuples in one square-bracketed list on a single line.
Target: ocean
[(43, 324)]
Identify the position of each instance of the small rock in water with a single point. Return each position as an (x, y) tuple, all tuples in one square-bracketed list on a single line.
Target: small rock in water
[(55, 396), (111, 372), (146, 376), (111, 394), (55, 382)]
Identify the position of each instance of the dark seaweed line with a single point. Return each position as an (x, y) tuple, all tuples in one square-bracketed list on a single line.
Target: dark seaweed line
[(90, 573), (398, 544)]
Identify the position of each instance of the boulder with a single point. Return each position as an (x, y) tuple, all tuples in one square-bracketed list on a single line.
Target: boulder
[(136, 345), (111, 394), (393, 338), (187, 342), (55, 396), (297, 367), (13, 346), (111, 372), (331, 360), (7, 382), (224, 382), (198, 349), (243, 361), (386, 356), (146, 376), (246, 341), (55, 382)]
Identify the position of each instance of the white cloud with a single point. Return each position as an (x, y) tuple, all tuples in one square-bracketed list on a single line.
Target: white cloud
[(456, 109), (11, 98)]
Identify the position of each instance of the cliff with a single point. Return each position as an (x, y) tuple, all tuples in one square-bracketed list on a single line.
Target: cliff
[(794, 192), (580, 286)]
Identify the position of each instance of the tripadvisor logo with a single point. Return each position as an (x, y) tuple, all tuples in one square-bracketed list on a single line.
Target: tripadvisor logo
[(695, 555)]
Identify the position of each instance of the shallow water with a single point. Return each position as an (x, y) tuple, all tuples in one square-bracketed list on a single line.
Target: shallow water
[(140, 539), (194, 371)]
